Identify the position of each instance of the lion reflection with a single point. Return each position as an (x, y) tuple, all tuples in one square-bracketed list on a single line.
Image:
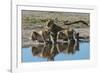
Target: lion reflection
[(49, 51)]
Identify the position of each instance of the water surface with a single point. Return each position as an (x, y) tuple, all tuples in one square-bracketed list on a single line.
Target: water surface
[(58, 52)]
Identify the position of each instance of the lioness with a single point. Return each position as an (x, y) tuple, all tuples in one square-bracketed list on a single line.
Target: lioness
[(41, 35), (54, 29), (66, 35), (57, 32)]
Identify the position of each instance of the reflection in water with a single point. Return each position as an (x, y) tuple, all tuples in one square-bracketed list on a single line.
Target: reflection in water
[(49, 51)]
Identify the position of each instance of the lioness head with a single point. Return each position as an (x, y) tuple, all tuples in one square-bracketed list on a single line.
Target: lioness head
[(50, 24)]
